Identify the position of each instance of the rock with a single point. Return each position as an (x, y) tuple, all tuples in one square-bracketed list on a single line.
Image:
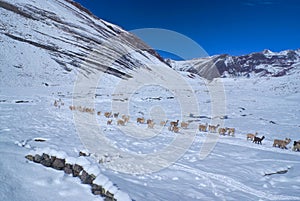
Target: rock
[(76, 170), (109, 196), (52, 158), (29, 157), (86, 178), (97, 190), (46, 160), (109, 199), (58, 164), (81, 153), (37, 158), (68, 168)]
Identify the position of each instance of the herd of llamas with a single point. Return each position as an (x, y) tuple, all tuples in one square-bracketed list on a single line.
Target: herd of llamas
[(175, 127)]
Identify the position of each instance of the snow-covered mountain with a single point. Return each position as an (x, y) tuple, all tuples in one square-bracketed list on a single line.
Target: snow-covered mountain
[(46, 41), (265, 63)]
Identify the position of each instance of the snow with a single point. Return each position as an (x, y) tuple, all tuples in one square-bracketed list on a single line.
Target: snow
[(234, 170), (93, 169), (120, 195), (101, 180)]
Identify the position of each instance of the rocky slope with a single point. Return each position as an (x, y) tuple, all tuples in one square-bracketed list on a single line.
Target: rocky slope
[(265, 63), (47, 41)]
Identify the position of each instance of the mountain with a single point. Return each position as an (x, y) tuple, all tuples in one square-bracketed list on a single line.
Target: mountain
[(45, 42), (265, 63)]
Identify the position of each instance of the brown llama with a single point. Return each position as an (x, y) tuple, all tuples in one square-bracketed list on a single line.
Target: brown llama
[(121, 122), (282, 143), (109, 122), (251, 136), (174, 123), (212, 128), (203, 128), (184, 124), (140, 120)]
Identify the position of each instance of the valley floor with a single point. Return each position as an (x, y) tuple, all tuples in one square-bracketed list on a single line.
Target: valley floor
[(234, 170)]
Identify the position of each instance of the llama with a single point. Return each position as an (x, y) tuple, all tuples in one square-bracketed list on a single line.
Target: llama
[(222, 131), (212, 128), (109, 122), (175, 129), (72, 107), (125, 118), (107, 114), (203, 128), (55, 103), (174, 123), (151, 124), (121, 122), (116, 115), (163, 123), (257, 140), (281, 143), (89, 110), (296, 146), (184, 124), (149, 121), (230, 131), (140, 120), (251, 136), (79, 108)]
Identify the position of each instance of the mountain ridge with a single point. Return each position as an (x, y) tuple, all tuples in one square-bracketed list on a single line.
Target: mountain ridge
[(264, 63)]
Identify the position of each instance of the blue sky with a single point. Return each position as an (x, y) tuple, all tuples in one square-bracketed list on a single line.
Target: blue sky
[(233, 27)]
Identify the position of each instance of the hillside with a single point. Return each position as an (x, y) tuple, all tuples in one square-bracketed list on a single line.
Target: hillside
[(46, 42)]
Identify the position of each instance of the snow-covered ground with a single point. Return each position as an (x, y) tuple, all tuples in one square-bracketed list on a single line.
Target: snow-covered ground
[(234, 170)]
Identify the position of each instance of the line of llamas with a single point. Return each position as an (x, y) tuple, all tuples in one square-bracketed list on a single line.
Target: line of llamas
[(174, 127)]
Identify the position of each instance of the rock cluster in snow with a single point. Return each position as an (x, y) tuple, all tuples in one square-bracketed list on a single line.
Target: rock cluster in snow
[(79, 167)]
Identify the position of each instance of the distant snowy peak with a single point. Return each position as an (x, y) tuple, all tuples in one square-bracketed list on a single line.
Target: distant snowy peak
[(265, 63), (60, 35)]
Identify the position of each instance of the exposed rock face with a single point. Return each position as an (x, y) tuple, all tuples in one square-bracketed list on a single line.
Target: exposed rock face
[(265, 63)]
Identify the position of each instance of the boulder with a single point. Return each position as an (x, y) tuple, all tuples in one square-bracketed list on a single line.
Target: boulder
[(109, 196), (37, 158), (29, 157), (97, 190), (46, 160), (68, 168), (82, 153), (86, 178), (76, 169), (58, 164)]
